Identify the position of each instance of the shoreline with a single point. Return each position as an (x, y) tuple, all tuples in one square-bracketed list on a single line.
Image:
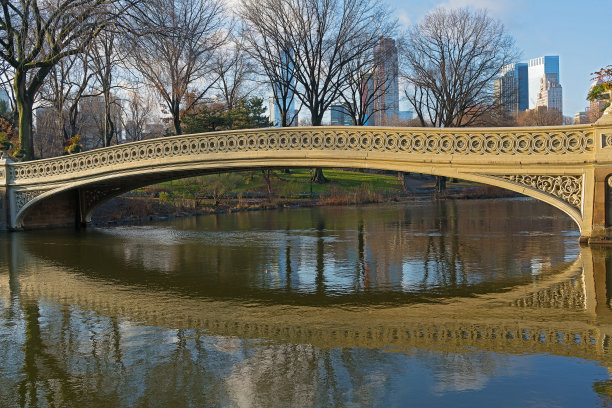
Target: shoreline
[(136, 210)]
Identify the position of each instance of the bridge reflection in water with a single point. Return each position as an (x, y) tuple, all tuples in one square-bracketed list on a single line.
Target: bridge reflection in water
[(564, 310)]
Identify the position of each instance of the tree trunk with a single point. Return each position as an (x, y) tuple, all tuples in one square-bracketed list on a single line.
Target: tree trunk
[(402, 178), (176, 120), (25, 129), (109, 128), (318, 176), (267, 173)]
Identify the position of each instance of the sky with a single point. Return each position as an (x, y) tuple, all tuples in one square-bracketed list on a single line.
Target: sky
[(578, 31)]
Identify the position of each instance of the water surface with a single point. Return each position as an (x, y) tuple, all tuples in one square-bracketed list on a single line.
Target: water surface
[(463, 303)]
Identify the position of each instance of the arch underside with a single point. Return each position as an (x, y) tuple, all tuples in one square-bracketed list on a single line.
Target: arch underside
[(561, 191)]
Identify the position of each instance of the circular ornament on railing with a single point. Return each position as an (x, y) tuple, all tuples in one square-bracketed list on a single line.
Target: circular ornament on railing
[(477, 144), (556, 143), (433, 144), (447, 144), (316, 140), (573, 143), (523, 143), (175, 148), (283, 141), (305, 141), (295, 142), (241, 142), (419, 144), (540, 143), (588, 142), (378, 142), (329, 141), (203, 145), (273, 141), (492, 143), (341, 140), (262, 142), (507, 144), (462, 143), (365, 141), (392, 142), (353, 141), (406, 143), (251, 142)]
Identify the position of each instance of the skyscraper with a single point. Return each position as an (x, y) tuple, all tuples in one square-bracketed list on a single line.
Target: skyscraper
[(284, 94), (511, 88), (550, 95), (386, 102), (538, 67), (339, 116)]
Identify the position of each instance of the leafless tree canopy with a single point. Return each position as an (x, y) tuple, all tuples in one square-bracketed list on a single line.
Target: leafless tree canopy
[(176, 49), (234, 69), (314, 40), (450, 60), (35, 35), (366, 85), (540, 116)]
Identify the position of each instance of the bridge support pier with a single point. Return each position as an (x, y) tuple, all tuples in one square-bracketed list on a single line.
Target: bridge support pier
[(4, 197)]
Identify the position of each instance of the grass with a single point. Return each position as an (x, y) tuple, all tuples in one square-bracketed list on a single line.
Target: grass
[(284, 184)]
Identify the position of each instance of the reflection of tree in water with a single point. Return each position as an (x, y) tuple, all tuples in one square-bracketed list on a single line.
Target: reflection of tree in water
[(468, 371), (604, 391), (445, 257)]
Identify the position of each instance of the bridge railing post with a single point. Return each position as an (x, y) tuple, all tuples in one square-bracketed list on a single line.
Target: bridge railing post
[(4, 193)]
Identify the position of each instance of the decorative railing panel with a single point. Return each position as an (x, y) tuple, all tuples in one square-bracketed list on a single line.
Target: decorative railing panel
[(494, 142)]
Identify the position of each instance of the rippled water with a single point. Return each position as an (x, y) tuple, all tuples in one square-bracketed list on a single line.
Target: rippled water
[(463, 303)]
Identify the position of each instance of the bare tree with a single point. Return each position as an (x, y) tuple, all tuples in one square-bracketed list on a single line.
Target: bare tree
[(176, 48), (450, 59), (367, 84), (104, 61), (233, 67), (63, 90), (272, 56), (35, 35), (136, 115), (540, 116), (316, 40)]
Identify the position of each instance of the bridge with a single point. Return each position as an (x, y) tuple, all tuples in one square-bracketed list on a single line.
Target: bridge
[(568, 167)]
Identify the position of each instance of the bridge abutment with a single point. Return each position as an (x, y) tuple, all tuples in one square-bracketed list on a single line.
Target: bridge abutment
[(4, 197)]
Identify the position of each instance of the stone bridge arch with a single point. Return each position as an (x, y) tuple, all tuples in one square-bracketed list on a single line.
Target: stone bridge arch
[(566, 167)]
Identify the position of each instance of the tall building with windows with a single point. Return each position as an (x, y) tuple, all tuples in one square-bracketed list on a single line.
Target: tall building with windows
[(274, 109), (339, 116), (537, 71), (386, 82), (550, 95), (521, 86), (511, 88), (274, 112)]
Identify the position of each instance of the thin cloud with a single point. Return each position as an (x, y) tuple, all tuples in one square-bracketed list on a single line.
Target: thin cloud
[(403, 18), (496, 7)]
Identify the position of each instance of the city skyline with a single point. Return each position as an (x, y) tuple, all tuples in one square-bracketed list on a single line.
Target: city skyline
[(540, 28)]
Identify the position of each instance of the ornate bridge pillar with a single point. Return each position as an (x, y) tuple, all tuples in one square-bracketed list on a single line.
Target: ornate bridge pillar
[(5, 214), (597, 225)]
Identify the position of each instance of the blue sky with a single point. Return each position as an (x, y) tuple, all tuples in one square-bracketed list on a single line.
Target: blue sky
[(580, 32)]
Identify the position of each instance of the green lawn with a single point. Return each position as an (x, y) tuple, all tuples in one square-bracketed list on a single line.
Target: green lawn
[(295, 182)]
